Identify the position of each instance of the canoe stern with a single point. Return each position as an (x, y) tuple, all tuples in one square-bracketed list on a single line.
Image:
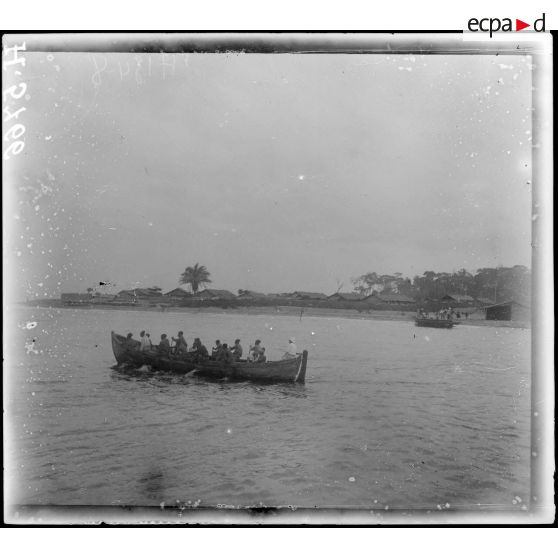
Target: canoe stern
[(301, 374)]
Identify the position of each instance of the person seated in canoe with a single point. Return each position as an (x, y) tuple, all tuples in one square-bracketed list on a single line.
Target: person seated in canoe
[(145, 342), (130, 342), (237, 350), (164, 346), (199, 350), (291, 349), (261, 357), (181, 346), (225, 355), (255, 351), (215, 351)]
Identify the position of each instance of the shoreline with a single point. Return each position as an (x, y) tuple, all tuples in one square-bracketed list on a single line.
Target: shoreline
[(379, 315)]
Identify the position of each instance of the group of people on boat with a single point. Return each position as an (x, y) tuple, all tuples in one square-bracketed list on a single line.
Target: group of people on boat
[(222, 352), (443, 314), (198, 352)]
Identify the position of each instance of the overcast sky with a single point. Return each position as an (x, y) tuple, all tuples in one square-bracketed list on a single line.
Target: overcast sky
[(277, 172)]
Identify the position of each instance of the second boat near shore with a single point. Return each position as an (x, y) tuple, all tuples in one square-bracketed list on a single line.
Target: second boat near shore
[(434, 322)]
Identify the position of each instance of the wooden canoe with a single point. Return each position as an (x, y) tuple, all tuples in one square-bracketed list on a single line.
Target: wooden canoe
[(133, 356), (289, 370), (434, 322)]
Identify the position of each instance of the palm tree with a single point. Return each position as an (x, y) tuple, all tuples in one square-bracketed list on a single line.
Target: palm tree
[(195, 276)]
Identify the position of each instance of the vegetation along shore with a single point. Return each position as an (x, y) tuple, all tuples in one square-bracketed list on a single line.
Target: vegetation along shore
[(498, 295)]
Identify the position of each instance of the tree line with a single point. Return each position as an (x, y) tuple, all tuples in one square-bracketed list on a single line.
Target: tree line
[(492, 283)]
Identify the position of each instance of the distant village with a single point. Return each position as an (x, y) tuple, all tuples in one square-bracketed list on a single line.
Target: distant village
[(153, 297), (463, 292)]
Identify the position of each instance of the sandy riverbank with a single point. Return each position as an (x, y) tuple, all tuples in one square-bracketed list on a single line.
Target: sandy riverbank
[(474, 319)]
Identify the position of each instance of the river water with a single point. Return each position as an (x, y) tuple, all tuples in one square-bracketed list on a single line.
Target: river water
[(391, 416)]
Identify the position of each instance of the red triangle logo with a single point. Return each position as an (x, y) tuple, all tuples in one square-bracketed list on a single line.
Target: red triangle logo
[(519, 25)]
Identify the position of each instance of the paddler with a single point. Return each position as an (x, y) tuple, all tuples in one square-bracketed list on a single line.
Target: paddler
[(199, 351), (164, 345), (181, 346), (130, 343), (237, 350), (225, 355), (216, 351), (145, 342), (255, 351), (291, 349), (261, 356)]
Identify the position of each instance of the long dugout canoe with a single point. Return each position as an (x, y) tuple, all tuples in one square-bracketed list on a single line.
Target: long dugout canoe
[(289, 370)]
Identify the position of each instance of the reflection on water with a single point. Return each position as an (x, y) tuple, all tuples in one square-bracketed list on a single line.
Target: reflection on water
[(163, 378), (389, 416)]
